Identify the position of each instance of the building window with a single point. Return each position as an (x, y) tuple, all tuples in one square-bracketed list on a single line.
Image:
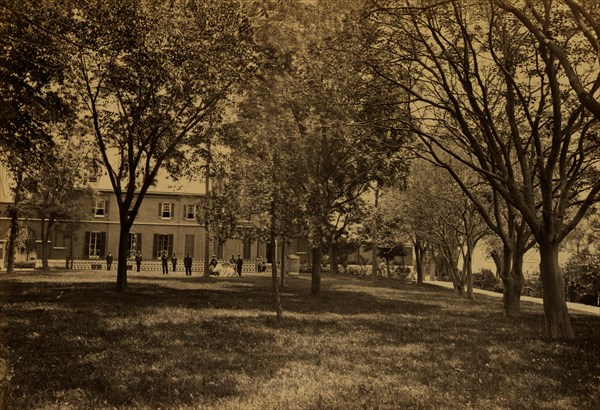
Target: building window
[(100, 208), (218, 249), (134, 244), (190, 212), (189, 244), (165, 210), (95, 244), (247, 248), (59, 239), (162, 243)]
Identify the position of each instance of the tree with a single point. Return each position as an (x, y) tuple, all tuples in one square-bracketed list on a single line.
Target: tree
[(34, 104), (580, 32), (347, 117), (57, 193), (440, 214), (316, 95), (151, 76), (385, 227), (486, 93), (266, 165)]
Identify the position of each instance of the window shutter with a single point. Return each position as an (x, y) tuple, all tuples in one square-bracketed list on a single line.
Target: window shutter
[(106, 202), (160, 209), (170, 250), (189, 244), (172, 210), (102, 244), (155, 247), (86, 245)]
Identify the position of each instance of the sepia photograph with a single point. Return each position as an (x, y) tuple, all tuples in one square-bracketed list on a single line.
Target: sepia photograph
[(300, 204)]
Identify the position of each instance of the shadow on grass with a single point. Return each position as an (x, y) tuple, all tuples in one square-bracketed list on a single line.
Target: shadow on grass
[(175, 342)]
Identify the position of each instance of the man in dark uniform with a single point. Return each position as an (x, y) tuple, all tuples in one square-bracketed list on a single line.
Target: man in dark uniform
[(165, 263), (109, 260), (187, 263), (174, 262), (138, 260), (238, 264)]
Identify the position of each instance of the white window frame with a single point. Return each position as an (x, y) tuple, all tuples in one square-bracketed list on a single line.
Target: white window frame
[(100, 205), (166, 210), (190, 208), (93, 249), (132, 244)]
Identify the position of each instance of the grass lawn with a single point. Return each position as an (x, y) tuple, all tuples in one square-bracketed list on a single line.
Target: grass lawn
[(68, 340)]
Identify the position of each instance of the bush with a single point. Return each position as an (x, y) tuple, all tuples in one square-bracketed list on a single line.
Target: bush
[(24, 265), (582, 275), (487, 280), (533, 287), (400, 272), (305, 268), (360, 270)]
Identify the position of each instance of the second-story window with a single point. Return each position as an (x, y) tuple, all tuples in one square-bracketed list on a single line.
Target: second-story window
[(166, 210), (190, 212), (100, 208)]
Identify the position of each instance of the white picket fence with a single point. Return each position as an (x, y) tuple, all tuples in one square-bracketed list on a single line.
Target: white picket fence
[(249, 266)]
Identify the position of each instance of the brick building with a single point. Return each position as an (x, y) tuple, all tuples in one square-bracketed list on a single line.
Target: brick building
[(166, 221)]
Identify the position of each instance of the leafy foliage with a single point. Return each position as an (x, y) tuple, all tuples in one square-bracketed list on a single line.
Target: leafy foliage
[(582, 273), (34, 104), (153, 77)]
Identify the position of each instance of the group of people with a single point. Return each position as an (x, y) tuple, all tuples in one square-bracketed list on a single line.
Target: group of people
[(164, 258), (236, 266), (187, 263)]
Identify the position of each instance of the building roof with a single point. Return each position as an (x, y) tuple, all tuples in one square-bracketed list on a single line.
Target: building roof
[(165, 185)]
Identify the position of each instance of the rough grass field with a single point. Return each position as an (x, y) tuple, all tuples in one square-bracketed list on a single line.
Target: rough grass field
[(68, 340)]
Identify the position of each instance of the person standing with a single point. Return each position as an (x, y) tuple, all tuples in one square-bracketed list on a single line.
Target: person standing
[(232, 260), (187, 263), (165, 263), (109, 260), (212, 265), (138, 260), (174, 262), (238, 264)]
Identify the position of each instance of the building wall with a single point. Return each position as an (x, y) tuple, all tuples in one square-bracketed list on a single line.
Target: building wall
[(149, 222)]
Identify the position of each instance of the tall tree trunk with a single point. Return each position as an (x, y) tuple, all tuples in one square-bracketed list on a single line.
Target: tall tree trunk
[(497, 258), (283, 254), (315, 287), (12, 239), (44, 244), (375, 233), (206, 231), (459, 286), (374, 263), (46, 228), (518, 279), (558, 324), (455, 276), (206, 251), (469, 272), (273, 237), (333, 258), (14, 213), (122, 256), (510, 300), (419, 260), (276, 295)]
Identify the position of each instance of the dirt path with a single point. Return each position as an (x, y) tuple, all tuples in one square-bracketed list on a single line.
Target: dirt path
[(574, 307)]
